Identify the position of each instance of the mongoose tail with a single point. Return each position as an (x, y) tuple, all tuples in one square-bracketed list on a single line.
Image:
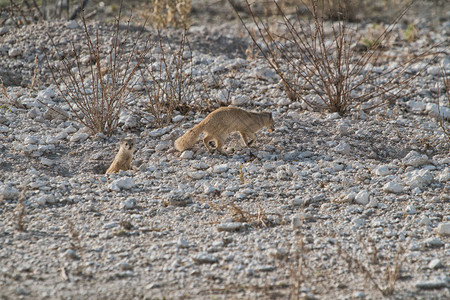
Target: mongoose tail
[(189, 138)]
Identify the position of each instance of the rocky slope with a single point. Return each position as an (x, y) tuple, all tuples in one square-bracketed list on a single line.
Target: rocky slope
[(324, 207)]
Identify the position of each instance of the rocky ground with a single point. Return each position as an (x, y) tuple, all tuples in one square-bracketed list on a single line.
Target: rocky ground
[(327, 206)]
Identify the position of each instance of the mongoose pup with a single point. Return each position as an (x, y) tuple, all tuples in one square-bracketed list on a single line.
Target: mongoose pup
[(223, 121), (123, 158)]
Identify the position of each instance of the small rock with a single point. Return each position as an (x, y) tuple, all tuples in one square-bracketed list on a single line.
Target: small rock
[(10, 193), (297, 201), (382, 170), (124, 183), (443, 229), (437, 283), (188, 154), (433, 243), (129, 203), (240, 100), (47, 162), (435, 264), (79, 137), (70, 253), (362, 197), (411, 210), (14, 52), (31, 140), (392, 187), (204, 258), (72, 24), (196, 175), (296, 222), (343, 148), (445, 175), (182, 243), (284, 102), (221, 168), (230, 226), (3, 30), (415, 159), (278, 253)]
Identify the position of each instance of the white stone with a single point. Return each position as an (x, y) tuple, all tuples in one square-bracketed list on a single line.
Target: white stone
[(416, 106), (79, 137), (125, 183), (333, 116), (10, 193), (443, 229), (415, 159), (182, 243), (177, 118), (31, 140), (445, 175), (188, 154), (240, 100), (411, 210), (342, 148), (435, 111), (129, 203), (435, 264), (221, 168), (14, 52), (47, 162), (204, 258), (159, 132), (229, 226), (196, 175), (296, 222), (61, 136), (362, 197), (419, 178), (72, 24), (41, 200), (382, 170), (297, 201), (284, 102), (393, 187), (433, 70), (46, 94), (208, 189)]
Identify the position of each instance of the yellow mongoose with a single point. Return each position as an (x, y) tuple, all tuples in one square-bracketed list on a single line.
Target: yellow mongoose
[(123, 158), (223, 121)]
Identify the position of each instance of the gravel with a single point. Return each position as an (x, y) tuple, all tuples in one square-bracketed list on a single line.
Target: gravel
[(196, 225)]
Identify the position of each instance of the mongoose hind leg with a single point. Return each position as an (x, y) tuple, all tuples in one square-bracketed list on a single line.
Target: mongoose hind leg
[(244, 138), (207, 140)]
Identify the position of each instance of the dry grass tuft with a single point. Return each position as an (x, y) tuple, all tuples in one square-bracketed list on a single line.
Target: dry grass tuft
[(21, 211), (384, 276)]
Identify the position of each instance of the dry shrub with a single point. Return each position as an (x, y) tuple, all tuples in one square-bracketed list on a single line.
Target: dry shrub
[(167, 81), (97, 94), (165, 13), (316, 58), (444, 126), (381, 274), (24, 12)]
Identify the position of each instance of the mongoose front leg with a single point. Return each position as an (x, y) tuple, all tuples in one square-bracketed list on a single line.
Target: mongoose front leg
[(244, 138), (219, 145), (252, 137)]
